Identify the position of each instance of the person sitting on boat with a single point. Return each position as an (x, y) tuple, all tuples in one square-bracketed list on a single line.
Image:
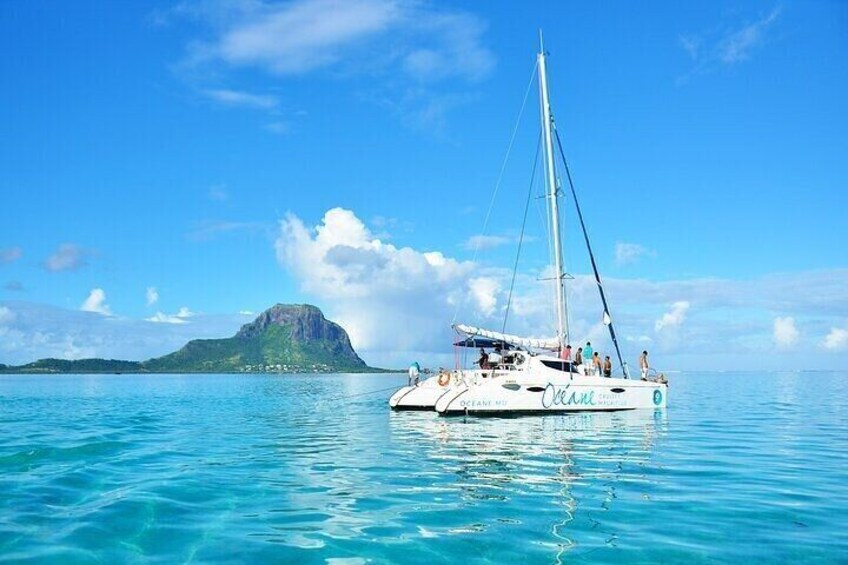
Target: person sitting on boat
[(643, 365), (495, 358), (578, 359), (596, 364), (414, 371), (565, 353), (607, 367), (484, 359)]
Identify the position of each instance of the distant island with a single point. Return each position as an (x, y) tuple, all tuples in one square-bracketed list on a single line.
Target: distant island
[(286, 338)]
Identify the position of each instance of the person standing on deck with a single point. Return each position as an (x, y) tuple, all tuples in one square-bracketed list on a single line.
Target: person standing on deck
[(483, 361), (596, 364), (414, 371), (565, 353), (587, 358), (578, 359), (588, 351), (643, 365), (607, 367)]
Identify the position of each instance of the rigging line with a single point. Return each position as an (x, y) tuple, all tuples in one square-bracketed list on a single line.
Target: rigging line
[(500, 176), (347, 397), (591, 255), (521, 237)]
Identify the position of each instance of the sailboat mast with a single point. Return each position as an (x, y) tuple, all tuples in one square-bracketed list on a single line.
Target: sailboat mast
[(553, 194)]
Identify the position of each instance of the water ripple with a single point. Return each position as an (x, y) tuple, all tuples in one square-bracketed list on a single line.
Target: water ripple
[(230, 468)]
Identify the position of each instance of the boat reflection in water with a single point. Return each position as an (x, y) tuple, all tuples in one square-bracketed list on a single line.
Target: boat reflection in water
[(556, 478)]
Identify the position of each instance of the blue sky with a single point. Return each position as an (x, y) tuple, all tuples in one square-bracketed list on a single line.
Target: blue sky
[(169, 169)]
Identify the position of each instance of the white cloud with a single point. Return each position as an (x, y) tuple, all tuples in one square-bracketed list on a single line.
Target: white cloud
[(402, 47), (10, 254), (246, 313), (785, 333), (836, 340), (674, 317), (6, 315), (384, 296), (67, 257), (300, 36), (152, 295), (181, 317), (399, 301), (627, 253), (242, 99), (484, 291), (96, 302), (476, 242), (40, 331), (184, 312), (728, 46), (737, 45)]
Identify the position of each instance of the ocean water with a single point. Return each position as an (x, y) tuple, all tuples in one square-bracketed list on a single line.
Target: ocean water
[(741, 468)]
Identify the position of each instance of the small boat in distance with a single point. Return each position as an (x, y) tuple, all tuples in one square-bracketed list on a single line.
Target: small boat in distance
[(529, 375)]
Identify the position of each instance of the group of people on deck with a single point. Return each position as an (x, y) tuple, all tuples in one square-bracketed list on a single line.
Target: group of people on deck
[(591, 362), (585, 357), (589, 359)]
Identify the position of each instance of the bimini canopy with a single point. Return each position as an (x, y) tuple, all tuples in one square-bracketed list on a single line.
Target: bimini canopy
[(477, 335), (477, 341)]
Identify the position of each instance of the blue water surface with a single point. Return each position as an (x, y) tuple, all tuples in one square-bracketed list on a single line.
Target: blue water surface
[(741, 468)]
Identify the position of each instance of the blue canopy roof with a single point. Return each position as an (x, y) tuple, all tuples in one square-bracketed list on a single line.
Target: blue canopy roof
[(477, 341)]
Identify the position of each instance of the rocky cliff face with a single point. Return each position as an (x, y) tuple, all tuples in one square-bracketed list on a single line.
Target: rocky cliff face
[(307, 323), (286, 337)]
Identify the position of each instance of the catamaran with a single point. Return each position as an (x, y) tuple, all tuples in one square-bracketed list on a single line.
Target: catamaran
[(531, 376)]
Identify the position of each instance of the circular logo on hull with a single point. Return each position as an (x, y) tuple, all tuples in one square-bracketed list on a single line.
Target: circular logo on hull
[(657, 397)]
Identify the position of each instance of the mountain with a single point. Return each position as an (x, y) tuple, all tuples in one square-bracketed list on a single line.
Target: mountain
[(289, 338)]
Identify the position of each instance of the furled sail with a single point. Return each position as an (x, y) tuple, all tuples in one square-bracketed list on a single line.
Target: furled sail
[(528, 342)]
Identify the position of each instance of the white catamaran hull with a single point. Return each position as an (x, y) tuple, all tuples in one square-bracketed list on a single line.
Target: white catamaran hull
[(540, 389), (423, 396)]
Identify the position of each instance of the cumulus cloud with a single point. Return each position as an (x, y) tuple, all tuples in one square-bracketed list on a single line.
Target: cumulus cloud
[(628, 253), (836, 339), (399, 301), (6, 315), (67, 257), (10, 254), (674, 317), (96, 302), (485, 290), (152, 295), (387, 297), (181, 317), (785, 333)]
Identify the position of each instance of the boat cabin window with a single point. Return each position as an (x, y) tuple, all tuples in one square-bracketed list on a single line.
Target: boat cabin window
[(564, 366)]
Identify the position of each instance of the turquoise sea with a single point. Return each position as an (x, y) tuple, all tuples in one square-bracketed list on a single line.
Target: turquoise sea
[(741, 468)]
